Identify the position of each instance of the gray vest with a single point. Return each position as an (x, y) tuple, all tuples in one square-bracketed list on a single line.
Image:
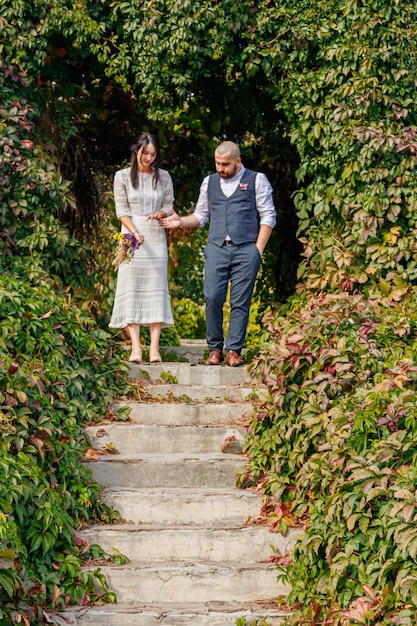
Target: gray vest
[(236, 216)]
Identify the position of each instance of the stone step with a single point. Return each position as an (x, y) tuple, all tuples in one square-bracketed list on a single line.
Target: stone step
[(187, 374), (173, 614), (193, 582), (163, 413), (152, 544), (171, 470), (193, 350), (129, 438), (212, 508), (197, 555), (203, 393)]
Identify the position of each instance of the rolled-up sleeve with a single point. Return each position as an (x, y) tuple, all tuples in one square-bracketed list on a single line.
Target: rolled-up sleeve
[(201, 210), (265, 201)]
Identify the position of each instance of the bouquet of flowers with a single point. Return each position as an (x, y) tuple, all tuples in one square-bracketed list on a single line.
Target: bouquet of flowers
[(127, 243)]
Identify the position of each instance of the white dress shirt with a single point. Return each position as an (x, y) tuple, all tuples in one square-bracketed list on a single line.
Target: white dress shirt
[(263, 193)]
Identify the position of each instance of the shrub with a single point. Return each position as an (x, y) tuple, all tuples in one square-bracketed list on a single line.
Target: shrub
[(57, 373), (334, 442), (190, 319)]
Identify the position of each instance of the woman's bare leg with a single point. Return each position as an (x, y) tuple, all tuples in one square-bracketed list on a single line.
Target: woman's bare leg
[(134, 332), (155, 334)]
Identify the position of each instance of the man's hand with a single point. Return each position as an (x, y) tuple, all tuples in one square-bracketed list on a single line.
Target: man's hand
[(263, 237), (173, 221)]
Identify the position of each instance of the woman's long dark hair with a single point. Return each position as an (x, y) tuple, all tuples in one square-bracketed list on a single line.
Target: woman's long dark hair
[(142, 141)]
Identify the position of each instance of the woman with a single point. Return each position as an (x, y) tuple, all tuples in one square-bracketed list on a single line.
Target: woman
[(143, 194)]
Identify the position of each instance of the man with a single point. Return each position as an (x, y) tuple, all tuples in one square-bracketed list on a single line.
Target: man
[(239, 204)]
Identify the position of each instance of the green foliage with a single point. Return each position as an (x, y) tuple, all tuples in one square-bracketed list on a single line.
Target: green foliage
[(57, 374), (190, 320), (334, 437), (58, 370), (76, 62), (348, 91), (186, 264), (334, 432), (32, 193), (340, 75), (159, 50)]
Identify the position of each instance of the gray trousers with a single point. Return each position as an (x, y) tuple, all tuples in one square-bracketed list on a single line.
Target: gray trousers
[(239, 266)]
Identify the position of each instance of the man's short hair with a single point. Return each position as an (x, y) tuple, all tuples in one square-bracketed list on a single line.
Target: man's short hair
[(226, 147)]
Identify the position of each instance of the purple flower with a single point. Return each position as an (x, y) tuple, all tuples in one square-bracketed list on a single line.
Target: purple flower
[(127, 243)]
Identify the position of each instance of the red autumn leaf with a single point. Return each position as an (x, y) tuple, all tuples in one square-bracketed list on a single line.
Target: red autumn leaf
[(13, 367), (10, 400), (37, 442), (26, 143), (280, 559)]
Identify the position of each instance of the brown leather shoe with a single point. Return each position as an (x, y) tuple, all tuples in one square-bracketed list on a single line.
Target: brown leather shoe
[(215, 357), (233, 359)]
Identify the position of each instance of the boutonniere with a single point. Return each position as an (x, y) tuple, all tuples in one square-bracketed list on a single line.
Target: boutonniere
[(243, 186)]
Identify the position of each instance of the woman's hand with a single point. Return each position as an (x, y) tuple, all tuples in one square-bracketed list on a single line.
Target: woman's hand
[(158, 215)]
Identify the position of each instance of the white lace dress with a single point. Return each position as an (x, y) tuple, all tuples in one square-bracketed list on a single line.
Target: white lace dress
[(142, 295)]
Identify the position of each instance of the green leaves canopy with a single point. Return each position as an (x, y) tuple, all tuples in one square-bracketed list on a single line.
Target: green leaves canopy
[(343, 74), (321, 96), (348, 91), (336, 79)]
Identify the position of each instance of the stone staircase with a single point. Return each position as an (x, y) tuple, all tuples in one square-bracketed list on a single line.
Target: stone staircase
[(194, 557)]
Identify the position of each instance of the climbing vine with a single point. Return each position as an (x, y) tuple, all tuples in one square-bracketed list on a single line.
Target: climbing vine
[(333, 442)]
